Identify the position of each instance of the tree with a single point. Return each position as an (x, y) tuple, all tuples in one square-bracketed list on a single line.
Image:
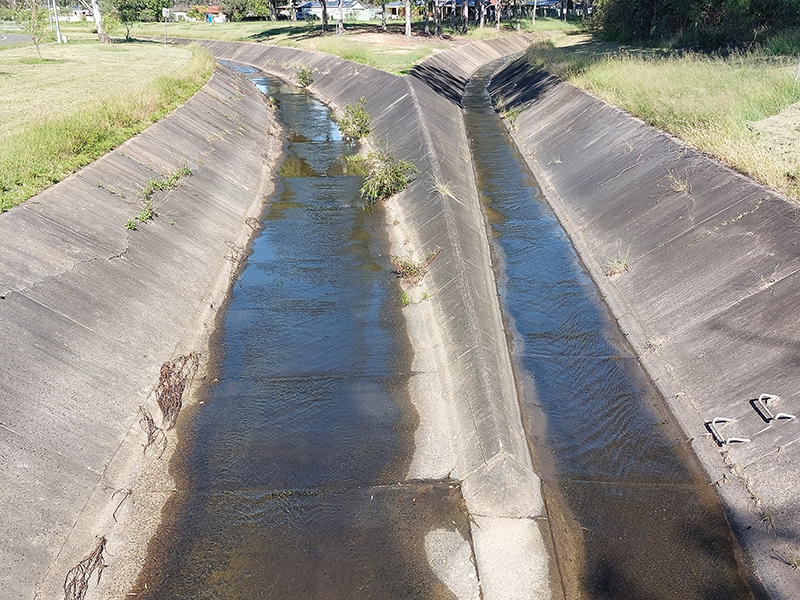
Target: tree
[(98, 23), (324, 5), (33, 19), (127, 13), (340, 21), (408, 18)]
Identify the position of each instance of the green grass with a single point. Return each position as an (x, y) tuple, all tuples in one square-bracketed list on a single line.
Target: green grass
[(61, 115), (714, 103), (390, 51)]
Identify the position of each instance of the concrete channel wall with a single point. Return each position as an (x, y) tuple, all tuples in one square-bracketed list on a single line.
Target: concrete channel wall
[(708, 298), (464, 391), (90, 310)]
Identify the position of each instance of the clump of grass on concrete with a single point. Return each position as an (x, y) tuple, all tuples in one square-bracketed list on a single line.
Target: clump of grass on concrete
[(355, 124), (156, 184), (305, 76), (714, 103), (50, 132), (386, 175), (411, 271)]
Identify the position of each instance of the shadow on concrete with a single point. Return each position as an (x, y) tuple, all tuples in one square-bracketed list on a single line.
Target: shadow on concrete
[(440, 81)]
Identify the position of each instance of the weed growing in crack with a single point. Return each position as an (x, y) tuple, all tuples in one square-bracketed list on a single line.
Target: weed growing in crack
[(156, 184), (617, 264), (412, 271), (405, 299)]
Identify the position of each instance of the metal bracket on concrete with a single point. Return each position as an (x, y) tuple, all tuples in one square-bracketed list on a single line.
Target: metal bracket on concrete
[(718, 437), (762, 406)]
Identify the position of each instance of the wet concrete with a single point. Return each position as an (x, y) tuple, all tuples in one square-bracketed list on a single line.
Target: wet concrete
[(292, 474), (631, 514)]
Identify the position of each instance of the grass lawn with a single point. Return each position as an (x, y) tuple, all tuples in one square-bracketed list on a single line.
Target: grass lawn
[(363, 42), (736, 108), (81, 100)]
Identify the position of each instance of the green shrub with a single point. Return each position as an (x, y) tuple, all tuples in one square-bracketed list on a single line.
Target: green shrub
[(385, 176), (305, 77), (355, 124)]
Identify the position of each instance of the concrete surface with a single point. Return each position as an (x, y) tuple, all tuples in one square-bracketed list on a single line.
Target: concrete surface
[(90, 310), (708, 300)]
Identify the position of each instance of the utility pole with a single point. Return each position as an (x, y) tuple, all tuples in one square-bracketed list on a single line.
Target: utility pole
[(58, 27)]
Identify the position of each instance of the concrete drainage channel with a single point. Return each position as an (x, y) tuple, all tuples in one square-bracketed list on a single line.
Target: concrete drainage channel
[(461, 378)]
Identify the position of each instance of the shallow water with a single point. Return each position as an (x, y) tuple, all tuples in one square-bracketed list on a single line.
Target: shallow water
[(292, 470), (631, 515)]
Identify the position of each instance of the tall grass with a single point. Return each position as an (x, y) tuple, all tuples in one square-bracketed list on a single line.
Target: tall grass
[(46, 152), (714, 103)]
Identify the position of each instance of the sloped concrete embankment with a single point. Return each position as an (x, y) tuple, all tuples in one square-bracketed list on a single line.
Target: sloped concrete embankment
[(463, 388), (90, 310), (707, 298)]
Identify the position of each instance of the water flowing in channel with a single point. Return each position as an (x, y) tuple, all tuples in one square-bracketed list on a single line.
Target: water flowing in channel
[(637, 520), (289, 479)]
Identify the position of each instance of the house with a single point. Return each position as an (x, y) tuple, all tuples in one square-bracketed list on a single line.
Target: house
[(397, 8), (179, 12), (214, 16), (351, 9)]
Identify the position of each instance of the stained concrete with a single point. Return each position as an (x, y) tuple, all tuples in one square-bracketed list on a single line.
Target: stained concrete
[(89, 311), (707, 299)]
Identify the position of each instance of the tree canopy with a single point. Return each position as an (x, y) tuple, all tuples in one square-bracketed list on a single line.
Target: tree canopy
[(702, 23)]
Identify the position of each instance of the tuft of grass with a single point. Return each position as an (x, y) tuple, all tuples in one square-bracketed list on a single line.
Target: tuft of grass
[(411, 271), (617, 264), (715, 103), (40, 153), (405, 299), (386, 175), (677, 183)]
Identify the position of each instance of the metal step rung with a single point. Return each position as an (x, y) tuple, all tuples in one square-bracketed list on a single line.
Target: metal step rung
[(762, 405), (718, 437)]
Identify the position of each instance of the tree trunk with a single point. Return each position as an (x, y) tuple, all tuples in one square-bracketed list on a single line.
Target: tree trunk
[(483, 13), (98, 21), (533, 19), (292, 13), (427, 17), (465, 15), (383, 15), (324, 5), (273, 10), (437, 18), (408, 18), (340, 21), (497, 9)]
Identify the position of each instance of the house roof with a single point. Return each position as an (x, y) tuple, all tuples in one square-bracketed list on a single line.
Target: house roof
[(213, 9)]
